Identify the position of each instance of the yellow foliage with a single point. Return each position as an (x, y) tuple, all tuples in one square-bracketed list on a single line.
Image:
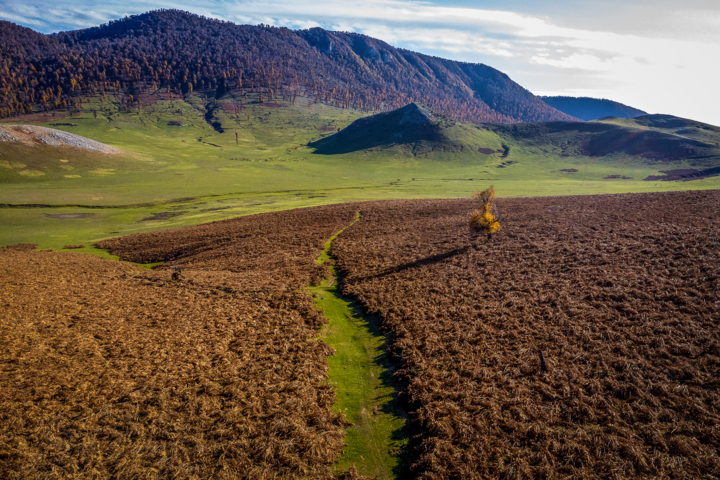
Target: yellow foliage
[(486, 196), (486, 219)]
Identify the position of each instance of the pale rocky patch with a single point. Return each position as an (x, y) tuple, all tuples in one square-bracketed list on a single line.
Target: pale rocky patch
[(32, 135)]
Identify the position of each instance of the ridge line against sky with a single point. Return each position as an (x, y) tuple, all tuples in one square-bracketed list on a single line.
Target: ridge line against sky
[(658, 56)]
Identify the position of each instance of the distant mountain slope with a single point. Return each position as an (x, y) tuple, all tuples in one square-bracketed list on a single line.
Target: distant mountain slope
[(599, 139), (180, 52), (465, 80), (587, 108), (681, 127), (414, 129), (420, 131)]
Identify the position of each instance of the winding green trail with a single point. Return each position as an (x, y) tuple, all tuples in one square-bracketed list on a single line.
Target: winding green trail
[(360, 372)]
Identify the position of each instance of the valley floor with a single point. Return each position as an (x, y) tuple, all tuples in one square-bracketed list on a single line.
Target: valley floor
[(176, 170)]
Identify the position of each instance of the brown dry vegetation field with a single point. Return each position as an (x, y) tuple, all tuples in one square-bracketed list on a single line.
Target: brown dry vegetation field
[(112, 370), (620, 292)]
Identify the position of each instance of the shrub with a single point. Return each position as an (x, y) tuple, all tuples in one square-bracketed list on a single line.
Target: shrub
[(486, 219)]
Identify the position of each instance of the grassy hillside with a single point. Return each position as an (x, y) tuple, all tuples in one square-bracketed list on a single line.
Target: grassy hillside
[(416, 131), (669, 124), (598, 141), (178, 170), (412, 131)]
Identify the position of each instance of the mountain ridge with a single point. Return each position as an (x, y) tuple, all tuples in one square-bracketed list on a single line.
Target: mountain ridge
[(587, 108), (181, 52), (682, 127)]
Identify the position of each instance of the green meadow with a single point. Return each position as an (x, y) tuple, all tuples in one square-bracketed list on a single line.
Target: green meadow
[(360, 372), (174, 175)]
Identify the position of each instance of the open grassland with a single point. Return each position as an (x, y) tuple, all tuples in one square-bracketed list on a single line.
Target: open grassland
[(620, 293), (214, 371), (179, 170)]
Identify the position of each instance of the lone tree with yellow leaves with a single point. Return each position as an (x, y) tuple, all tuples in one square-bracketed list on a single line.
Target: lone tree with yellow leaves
[(486, 219)]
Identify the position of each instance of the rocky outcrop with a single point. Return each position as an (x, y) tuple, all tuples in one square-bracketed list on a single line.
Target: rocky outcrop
[(34, 135)]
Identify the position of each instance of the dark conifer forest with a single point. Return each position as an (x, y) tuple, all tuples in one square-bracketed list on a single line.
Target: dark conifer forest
[(179, 53)]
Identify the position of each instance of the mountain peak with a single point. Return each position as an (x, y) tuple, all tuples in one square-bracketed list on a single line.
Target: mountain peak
[(413, 127), (413, 119), (416, 114)]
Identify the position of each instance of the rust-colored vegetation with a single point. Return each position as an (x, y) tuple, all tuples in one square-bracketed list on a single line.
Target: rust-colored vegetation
[(621, 294), (209, 366), (202, 55), (115, 371)]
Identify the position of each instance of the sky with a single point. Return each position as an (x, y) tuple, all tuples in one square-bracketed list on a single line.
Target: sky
[(660, 56)]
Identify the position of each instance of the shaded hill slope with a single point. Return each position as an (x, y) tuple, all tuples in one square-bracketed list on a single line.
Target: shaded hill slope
[(586, 108), (179, 52), (464, 80), (414, 129), (670, 124), (597, 139), (419, 130)]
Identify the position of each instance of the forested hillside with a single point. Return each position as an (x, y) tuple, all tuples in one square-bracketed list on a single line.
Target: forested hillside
[(178, 52), (586, 108)]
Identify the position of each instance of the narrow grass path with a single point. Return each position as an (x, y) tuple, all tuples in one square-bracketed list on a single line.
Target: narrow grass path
[(360, 373)]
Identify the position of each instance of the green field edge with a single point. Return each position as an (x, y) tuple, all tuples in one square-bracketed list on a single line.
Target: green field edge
[(360, 373), (183, 201)]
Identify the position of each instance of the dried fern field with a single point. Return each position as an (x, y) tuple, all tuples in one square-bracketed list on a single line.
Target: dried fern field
[(581, 342), (109, 370)]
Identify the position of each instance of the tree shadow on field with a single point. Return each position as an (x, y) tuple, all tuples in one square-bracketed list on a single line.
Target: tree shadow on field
[(418, 263)]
